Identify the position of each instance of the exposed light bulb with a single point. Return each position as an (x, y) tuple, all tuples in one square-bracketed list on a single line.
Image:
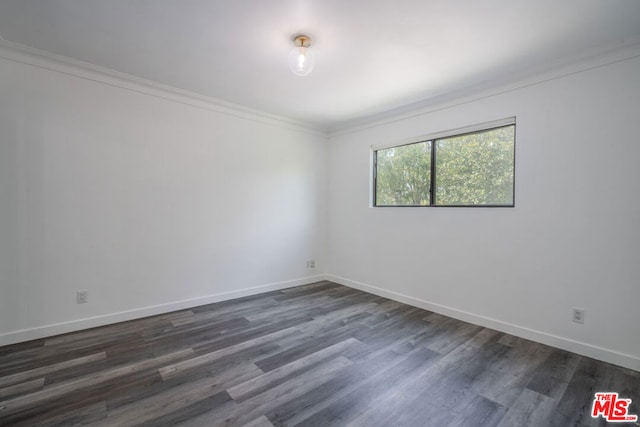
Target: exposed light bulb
[(301, 59)]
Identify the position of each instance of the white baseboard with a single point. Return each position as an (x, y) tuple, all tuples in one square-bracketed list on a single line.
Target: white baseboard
[(107, 319), (595, 352), (599, 353)]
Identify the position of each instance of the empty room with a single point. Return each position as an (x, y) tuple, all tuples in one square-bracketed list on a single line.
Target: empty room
[(320, 213)]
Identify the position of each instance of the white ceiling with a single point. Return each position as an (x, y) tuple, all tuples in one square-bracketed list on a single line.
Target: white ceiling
[(372, 56)]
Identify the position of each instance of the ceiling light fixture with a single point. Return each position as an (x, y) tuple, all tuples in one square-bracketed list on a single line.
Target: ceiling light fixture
[(301, 59)]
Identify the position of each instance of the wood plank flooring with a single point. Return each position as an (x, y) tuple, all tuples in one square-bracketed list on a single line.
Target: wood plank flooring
[(315, 355)]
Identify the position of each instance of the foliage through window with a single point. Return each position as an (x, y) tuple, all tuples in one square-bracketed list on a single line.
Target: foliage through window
[(473, 168)]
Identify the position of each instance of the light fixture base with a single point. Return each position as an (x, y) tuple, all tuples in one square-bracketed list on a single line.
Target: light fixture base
[(302, 40)]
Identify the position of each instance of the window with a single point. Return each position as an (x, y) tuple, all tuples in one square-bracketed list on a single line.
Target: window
[(469, 167)]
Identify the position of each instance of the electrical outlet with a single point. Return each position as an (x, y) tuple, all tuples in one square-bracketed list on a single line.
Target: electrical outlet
[(578, 315), (312, 263), (81, 297)]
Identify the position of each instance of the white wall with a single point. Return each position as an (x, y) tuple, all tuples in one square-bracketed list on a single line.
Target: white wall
[(154, 204), (573, 239), (143, 201)]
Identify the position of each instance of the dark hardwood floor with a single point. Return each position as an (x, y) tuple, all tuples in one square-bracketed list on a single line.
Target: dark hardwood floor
[(315, 355)]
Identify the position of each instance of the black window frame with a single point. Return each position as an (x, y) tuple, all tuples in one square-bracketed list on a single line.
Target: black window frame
[(432, 142)]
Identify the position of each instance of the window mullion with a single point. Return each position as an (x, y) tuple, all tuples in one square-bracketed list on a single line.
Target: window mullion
[(432, 181)]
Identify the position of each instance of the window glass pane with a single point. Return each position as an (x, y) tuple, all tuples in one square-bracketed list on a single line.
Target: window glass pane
[(403, 175), (475, 169)]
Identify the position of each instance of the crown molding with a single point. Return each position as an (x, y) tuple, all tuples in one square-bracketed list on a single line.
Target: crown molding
[(603, 57), (61, 64), (27, 55)]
